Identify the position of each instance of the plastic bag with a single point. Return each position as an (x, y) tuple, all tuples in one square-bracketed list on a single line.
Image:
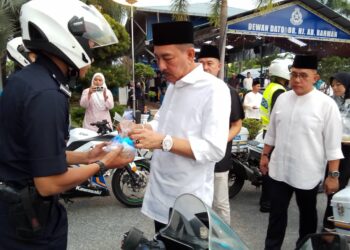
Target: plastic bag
[(123, 140)]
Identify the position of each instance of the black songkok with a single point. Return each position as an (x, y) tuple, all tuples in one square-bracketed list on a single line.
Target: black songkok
[(305, 62), (209, 51), (172, 33)]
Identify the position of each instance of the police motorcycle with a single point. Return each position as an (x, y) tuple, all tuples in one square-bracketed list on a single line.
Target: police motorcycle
[(192, 225), (128, 183), (246, 161)]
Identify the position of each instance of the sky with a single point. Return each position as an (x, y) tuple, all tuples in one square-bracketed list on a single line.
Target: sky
[(241, 4)]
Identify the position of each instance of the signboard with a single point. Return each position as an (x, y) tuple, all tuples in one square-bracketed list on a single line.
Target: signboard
[(290, 20)]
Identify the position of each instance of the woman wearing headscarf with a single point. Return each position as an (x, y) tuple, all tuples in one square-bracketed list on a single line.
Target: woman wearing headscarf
[(340, 83), (97, 100)]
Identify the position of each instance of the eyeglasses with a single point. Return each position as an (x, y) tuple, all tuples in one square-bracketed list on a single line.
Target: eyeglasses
[(302, 75)]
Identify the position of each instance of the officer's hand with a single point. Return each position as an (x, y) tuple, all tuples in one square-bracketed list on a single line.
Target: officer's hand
[(117, 158), (97, 153), (264, 164), (331, 185)]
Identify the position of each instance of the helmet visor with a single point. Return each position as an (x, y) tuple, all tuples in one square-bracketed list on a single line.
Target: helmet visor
[(97, 30)]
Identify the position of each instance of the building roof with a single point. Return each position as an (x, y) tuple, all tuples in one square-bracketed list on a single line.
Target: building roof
[(196, 9)]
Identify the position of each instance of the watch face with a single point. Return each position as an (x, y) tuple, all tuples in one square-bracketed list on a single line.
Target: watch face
[(334, 174), (167, 143)]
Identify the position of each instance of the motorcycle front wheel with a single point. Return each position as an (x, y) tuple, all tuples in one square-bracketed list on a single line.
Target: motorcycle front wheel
[(129, 184)]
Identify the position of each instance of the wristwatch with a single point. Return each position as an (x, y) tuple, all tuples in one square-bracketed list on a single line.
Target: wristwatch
[(334, 174), (167, 143), (102, 170)]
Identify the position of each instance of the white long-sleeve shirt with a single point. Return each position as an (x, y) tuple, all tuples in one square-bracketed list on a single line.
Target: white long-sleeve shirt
[(251, 105), (197, 108), (306, 132)]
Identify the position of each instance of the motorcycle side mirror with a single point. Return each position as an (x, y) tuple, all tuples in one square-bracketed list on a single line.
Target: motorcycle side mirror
[(326, 241)]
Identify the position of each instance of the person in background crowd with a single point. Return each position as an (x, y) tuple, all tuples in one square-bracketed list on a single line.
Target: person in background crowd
[(234, 82), (304, 132), (340, 83), (34, 111), (248, 82), (158, 82), (323, 87), (97, 101), (266, 80), (252, 101), (279, 74), (162, 88), (187, 136), (140, 96), (210, 59)]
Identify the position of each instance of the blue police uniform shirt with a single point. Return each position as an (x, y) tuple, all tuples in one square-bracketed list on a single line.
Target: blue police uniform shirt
[(34, 118)]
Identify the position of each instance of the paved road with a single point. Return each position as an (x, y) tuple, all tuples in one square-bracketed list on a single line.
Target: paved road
[(98, 223)]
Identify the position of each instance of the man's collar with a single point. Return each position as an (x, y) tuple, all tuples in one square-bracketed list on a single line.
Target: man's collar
[(192, 77)]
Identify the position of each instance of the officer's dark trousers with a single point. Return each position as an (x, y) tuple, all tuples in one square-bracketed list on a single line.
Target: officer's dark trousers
[(280, 196)]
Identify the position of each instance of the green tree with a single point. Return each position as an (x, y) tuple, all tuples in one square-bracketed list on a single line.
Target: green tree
[(331, 65), (143, 71), (9, 27), (106, 55), (341, 6), (113, 9)]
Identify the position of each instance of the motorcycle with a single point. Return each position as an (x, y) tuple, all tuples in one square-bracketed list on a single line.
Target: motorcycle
[(192, 225), (324, 241), (246, 159), (128, 183)]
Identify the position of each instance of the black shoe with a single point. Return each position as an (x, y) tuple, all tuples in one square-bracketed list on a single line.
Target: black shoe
[(265, 207)]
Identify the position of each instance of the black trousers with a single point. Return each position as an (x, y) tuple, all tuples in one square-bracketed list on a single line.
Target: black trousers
[(344, 169), (280, 199)]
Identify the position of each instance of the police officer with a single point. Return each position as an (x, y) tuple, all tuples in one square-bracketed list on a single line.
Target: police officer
[(279, 73), (34, 111)]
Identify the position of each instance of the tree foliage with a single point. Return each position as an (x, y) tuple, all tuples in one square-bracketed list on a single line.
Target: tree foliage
[(9, 13), (113, 9), (106, 55), (143, 71), (331, 65), (179, 7), (341, 6)]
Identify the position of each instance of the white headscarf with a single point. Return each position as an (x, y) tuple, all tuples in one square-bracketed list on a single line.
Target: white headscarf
[(97, 96)]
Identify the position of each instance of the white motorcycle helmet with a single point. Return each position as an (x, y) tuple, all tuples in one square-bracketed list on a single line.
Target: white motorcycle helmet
[(280, 68), (68, 29), (17, 52)]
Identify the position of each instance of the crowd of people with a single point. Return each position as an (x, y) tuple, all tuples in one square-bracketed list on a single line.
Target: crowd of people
[(191, 134)]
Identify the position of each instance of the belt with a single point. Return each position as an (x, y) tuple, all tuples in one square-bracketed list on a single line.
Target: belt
[(19, 185)]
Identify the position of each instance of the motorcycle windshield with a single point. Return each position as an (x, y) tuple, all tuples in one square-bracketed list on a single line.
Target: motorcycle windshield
[(197, 226)]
